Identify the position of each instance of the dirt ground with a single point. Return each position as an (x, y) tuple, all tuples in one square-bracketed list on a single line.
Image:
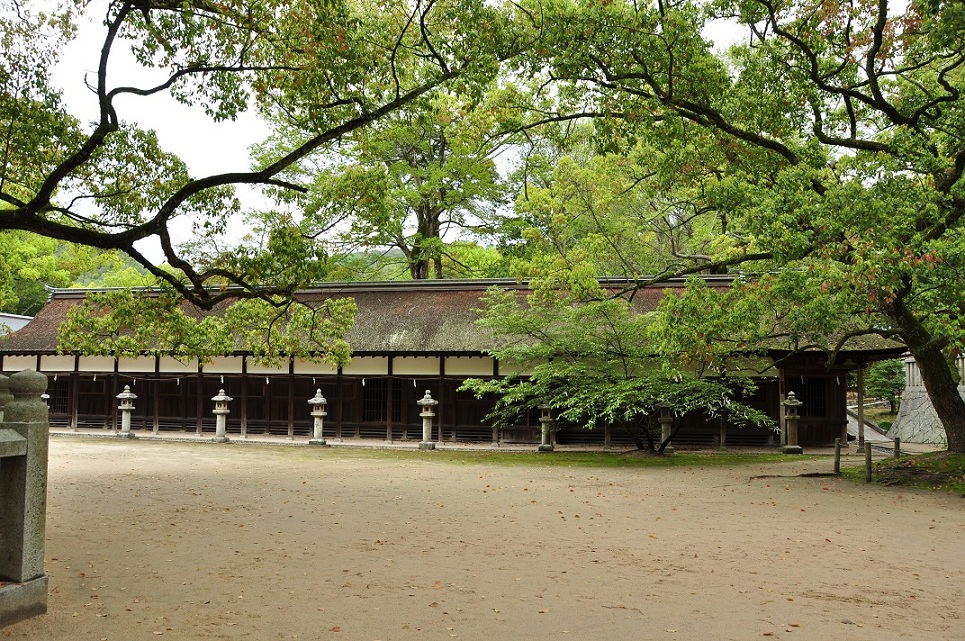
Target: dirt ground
[(203, 541)]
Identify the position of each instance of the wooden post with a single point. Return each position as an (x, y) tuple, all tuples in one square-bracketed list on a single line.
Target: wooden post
[(837, 456), (199, 400), (244, 396), (156, 398), (897, 447), (867, 462), (291, 399), (861, 405), (74, 397)]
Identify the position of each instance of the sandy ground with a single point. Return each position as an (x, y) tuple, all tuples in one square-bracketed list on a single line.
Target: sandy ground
[(202, 541)]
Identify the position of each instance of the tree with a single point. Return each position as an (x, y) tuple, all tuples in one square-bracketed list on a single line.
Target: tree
[(832, 137), (332, 66), (111, 323), (615, 212), (30, 263), (414, 181), (591, 357), (886, 379)]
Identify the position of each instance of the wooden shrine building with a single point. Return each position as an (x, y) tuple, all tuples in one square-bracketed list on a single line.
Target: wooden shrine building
[(408, 337)]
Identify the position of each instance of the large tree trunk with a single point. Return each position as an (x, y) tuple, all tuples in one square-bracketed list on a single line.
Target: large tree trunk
[(939, 381), (419, 269)]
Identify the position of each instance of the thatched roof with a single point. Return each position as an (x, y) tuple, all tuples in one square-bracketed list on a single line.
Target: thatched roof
[(416, 317)]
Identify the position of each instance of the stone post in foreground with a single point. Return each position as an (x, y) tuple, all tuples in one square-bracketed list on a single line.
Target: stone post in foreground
[(23, 499)]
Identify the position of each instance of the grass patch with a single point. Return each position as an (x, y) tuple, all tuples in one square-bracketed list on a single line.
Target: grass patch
[(880, 416), (573, 459), (942, 471)]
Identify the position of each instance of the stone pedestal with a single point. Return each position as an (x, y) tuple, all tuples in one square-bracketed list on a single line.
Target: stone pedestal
[(23, 499)]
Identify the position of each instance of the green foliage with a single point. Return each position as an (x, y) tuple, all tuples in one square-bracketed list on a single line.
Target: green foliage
[(792, 310), (627, 214), (886, 379), (591, 358), (323, 70), (827, 145), (127, 322), (466, 259), (30, 263), (941, 471), (423, 173)]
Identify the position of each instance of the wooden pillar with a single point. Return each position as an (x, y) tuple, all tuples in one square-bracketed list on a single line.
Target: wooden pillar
[(199, 404), (266, 408), (442, 403), (389, 405), (441, 411), (291, 399), (244, 396), (860, 405), (75, 393), (112, 392), (781, 391), (156, 409), (339, 393)]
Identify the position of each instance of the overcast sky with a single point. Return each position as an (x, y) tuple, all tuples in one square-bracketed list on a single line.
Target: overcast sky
[(207, 147)]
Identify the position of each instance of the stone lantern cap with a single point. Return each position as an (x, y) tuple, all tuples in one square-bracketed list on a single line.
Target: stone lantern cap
[(221, 398), (791, 402), (666, 409), (427, 401), (127, 396), (318, 400)]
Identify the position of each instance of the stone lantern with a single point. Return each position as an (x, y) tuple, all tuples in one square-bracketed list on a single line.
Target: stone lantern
[(427, 403), (546, 428), (318, 412), (126, 399), (666, 421), (792, 414), (221, 416)]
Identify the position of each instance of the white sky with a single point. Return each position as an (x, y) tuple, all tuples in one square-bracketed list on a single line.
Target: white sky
[(207, 147)]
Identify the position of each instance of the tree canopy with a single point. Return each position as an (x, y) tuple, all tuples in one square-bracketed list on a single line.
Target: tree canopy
[(821, 156), (412, 182), (596, 361), (830, 138), (331, 67)]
